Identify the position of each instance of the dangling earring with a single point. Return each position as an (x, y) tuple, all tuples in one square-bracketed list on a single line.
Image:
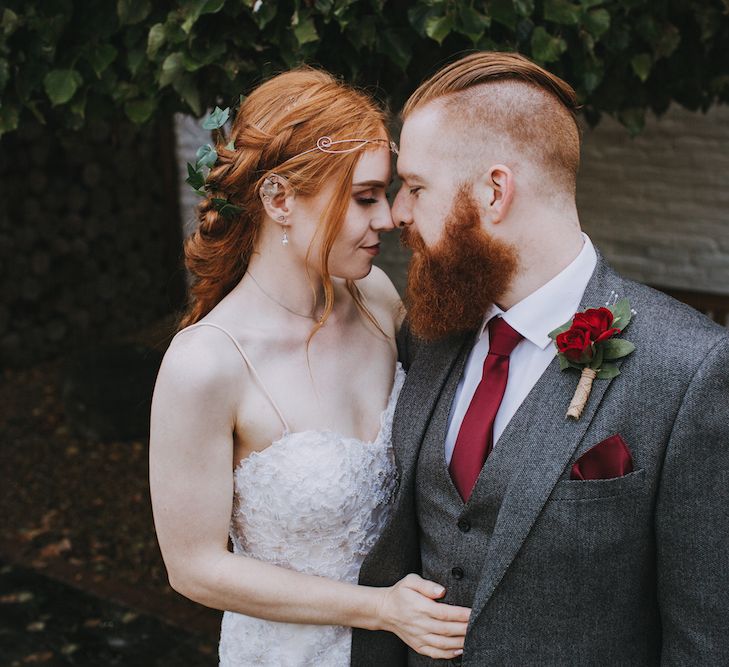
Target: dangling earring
[(285, 239)]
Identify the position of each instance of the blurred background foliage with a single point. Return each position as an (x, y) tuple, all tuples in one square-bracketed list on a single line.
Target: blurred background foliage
[(67, 60)]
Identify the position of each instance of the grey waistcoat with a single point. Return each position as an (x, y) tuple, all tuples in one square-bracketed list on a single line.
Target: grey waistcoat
[(444, 519)]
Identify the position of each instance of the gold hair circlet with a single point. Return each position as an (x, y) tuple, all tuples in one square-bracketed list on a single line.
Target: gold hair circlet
[(271, 183), (324, 144)]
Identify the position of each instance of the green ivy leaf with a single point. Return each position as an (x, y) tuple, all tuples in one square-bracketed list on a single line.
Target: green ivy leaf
[(4, 73), (438, 27), (394, 44), (564, 363), (616, 348), (194, 177), (632, 118), (9, 22), (9, 116), (206, 156), (641, 65), (139, 111), (305, 32), (172, 68), (133, 11), (61, 85), (668, 41), (592, 77), (217, 118), (502, 11), (597, 22), (561, 11), (155, 39), (135, 59), (608, 372), (471, 23), (524, 8), (545, 48), (264, 12), (225, 207), (188, 91), (100, 57), (195, 10)]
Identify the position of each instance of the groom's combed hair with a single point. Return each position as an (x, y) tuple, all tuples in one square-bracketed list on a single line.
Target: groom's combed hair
[(493, 94)]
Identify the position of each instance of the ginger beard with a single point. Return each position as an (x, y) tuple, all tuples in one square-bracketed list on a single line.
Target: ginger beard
[(451, 286)]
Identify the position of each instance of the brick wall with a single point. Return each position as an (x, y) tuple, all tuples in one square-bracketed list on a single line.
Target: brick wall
[(657, 205)]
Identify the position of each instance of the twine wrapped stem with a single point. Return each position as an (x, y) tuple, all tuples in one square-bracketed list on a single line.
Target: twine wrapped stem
[(582, 393)]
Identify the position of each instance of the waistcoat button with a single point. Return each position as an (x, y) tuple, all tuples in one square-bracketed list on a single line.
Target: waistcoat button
[(464, 525), (457, 573)]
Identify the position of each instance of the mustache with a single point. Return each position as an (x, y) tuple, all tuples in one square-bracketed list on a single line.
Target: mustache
[(410, 239)]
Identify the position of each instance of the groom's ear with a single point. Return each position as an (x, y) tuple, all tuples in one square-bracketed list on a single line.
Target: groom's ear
[(495, 190)]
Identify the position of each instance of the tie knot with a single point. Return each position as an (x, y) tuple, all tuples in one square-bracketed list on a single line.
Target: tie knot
[(502, 337)]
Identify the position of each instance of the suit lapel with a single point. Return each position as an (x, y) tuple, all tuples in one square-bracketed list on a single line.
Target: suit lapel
[(535, 448), (419, 396)]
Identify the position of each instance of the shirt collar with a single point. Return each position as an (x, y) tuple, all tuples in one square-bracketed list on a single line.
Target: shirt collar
[(554, 303)]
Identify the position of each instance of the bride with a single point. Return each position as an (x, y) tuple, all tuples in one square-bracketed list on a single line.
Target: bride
[(272, 411)]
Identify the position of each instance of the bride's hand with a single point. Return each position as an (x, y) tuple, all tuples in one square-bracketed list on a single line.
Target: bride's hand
[(431, 628)]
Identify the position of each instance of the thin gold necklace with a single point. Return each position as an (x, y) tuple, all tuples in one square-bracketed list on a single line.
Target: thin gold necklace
[(283, 305)]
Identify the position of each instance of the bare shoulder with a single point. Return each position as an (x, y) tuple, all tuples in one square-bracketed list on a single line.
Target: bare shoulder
[(201, 363), (382, 296)]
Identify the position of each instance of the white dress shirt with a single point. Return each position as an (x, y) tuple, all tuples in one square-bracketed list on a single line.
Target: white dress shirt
[(553, 304)]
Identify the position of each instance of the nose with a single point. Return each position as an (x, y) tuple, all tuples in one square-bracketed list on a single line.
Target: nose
[(401, 213), (383, 222)]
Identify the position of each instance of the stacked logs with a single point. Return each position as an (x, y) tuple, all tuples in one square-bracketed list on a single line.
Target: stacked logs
[(89, 236)]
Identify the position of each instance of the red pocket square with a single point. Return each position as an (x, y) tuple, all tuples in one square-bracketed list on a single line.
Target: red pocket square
[(607, 459)]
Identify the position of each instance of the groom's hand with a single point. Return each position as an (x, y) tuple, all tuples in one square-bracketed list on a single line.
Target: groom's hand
[(409, 609)]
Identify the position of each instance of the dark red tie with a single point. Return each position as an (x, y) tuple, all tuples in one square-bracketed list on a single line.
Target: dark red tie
[(476, 436)]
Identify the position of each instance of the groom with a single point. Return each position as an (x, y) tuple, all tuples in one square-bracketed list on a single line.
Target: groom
[(602, 540)]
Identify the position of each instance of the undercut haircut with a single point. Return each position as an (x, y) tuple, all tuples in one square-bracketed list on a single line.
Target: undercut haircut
[(504, 97)]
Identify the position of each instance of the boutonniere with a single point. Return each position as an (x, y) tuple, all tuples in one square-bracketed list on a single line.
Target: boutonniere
[(588, 343)]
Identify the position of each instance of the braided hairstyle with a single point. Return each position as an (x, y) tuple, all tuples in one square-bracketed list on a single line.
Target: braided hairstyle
[(280, 119)]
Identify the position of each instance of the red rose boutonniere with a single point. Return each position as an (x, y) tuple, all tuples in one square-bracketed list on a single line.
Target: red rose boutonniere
[(588, 343)]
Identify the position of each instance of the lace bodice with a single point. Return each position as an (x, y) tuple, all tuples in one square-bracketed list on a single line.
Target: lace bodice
[(315, 487), (315, 502)]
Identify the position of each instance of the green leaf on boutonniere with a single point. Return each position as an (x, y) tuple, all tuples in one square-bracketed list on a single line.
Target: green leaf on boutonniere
[(596, 362), (553, 334), (564, 363), (616, 348), (621, 314), (608, 372)]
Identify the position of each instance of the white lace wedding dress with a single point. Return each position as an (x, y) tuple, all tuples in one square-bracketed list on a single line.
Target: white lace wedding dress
[(315, 502)]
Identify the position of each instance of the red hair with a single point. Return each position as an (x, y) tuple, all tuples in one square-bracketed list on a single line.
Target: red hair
[(494, 93), (278, 121)]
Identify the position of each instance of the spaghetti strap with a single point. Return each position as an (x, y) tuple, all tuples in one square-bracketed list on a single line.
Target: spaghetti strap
[(248, 363)]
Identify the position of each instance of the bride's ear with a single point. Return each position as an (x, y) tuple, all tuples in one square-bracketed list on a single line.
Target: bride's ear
[(277, 195)]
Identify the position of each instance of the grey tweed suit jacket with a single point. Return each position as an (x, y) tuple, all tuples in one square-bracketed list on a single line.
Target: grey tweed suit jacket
[(626, 571)]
